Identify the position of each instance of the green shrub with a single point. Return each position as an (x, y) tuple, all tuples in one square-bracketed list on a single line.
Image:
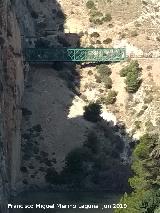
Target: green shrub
[(149, 67), (132, 73), (111, 97), (145, 3), (98, 21), (98, 42), (95, 35), (103, 70), (98, 79), (90, 4), (75, 158), (123, 72), (92, 112), (107, 17), (107, 41), (132, 83), (108, 82), (149, 126), (90, 72), (110, 25), (95, 20), (145, 196), (95, 13), (137, 124), (132, 67), (158, 38)]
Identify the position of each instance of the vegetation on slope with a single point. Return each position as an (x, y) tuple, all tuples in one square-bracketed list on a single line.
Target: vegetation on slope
[(104, 73), (92, 112), (96, 16), (132, 72), (146, 180), (96, 164)]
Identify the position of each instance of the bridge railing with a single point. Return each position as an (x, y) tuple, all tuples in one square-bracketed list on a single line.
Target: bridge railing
[(74, 54)]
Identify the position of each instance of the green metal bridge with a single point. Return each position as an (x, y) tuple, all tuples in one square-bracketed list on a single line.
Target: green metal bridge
[(38, 55)]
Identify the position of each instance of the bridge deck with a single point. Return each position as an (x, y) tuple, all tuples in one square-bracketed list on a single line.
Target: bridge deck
[(75, 54)]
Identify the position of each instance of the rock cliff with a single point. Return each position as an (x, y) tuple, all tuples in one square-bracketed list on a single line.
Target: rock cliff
[(11, 91)]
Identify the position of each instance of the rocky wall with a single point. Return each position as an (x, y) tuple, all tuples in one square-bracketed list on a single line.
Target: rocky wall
[(11, 91)]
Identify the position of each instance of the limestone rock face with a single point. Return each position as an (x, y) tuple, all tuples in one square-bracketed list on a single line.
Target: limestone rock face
[(11, 91)]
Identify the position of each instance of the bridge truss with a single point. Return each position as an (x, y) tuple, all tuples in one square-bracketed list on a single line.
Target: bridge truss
[(33, 55)]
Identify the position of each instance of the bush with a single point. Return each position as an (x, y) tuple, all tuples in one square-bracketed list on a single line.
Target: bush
[(98, 79), (110, 25), (107, 41), (98, 42), (111, 97), (107, 17), (149, 126), (95, 35), (90, 4), (75, 158), (103, 70), (149, 67), (95, 13), (92, 112), (108, 83), (98, 21), (132, 82), (95, 20), (145, 196), (158, 38), (132, 73), (132, 67), (145, 3), (123, 72), (137, 124)]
